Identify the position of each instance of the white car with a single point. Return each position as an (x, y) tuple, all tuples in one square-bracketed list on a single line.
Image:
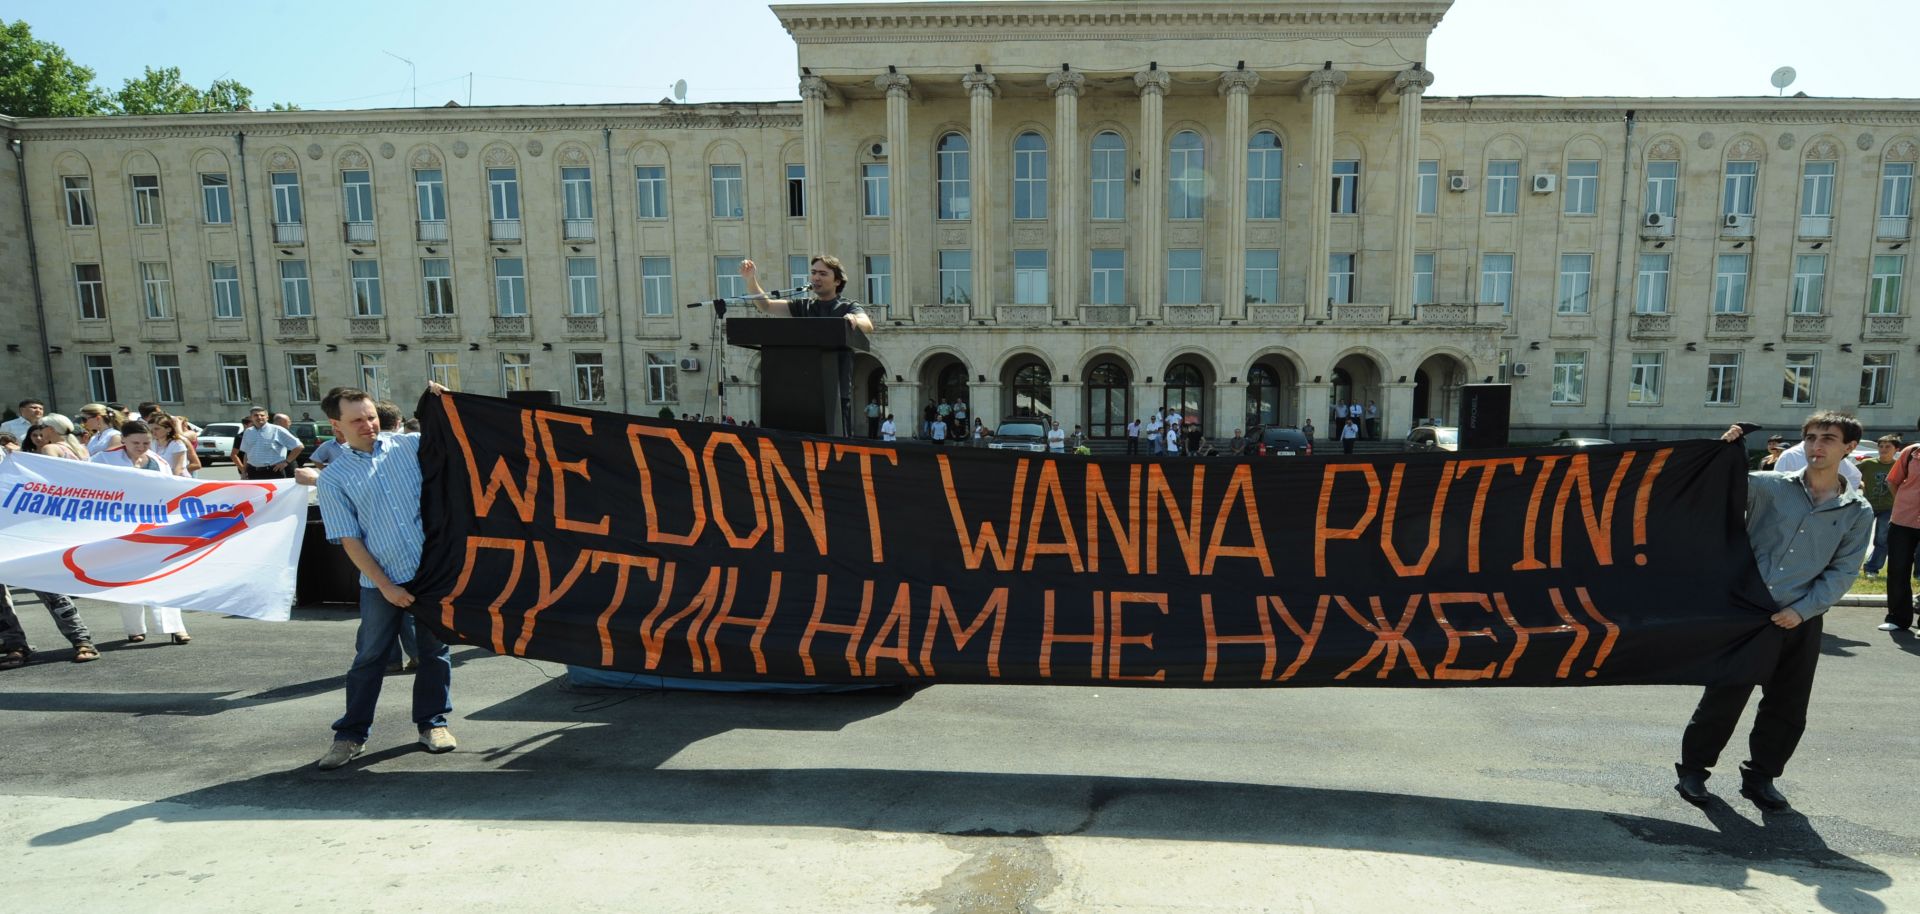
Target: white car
[(216, 442)]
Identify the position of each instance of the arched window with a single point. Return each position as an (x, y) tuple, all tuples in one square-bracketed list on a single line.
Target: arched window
[(956, 183), (1032, 391), (952, 384), (1186, 177), (1185, 390), (1265, 169), (1029, 176), (1109, 173), (1263, 396), (1108, 403)]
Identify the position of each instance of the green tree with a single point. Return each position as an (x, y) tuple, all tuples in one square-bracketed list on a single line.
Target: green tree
[(37, 79)]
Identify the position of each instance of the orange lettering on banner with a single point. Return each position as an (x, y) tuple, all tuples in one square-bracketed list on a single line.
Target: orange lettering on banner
[(1186, 524), (501, 479), (1488, 469), (715, 488), (852, 632), (865, 456), (1322, 533), (1047, 494), (895, 626), (1095, 641), (1239, 492), (474, 545), (548, 593), (1309, 635), (1445, 669), (759, 624), (654, 631), (1390, 641), (988, 543), (696, 498), (626, 564), (1646, 495), (1606, 642), (1600, 528), (1099, 502), (1529, 552), (1387, 546), (1117, 601), (1214, 639), (1523, 633), (561, 468), (942, 609), (808, 503)]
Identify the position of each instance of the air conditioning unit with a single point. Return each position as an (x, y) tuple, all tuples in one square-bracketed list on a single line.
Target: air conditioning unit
[(1737, 224), (1520, 369), (1458, 182), (690, 364), (877, 150), (1655, 220), (1544, 184)]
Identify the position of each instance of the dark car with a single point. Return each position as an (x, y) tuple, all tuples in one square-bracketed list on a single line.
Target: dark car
[(311, 435), (1580, 442), (1281, 442), (1019, 435)]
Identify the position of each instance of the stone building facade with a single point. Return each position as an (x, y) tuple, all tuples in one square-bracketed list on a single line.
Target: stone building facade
[(1085, 210)]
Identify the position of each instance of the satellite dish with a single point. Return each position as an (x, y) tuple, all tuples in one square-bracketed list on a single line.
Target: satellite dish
[(1783, 77), (680, 87)]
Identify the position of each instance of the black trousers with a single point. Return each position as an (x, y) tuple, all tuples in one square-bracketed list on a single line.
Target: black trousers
[(1778, 724), (1900, 545), (268, 472)]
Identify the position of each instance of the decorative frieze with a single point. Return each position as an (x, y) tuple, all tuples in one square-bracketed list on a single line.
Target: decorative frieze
[(1191, 315), (1025, 315), (941, 315), (294, 329), (1106, 315), (1277, 315)]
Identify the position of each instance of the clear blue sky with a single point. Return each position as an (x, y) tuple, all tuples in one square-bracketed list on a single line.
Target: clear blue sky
[(734, 50)]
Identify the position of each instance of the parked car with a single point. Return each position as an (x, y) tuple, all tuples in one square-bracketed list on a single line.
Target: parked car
[(1580, 442), (1434, 438), (216, 442), (1276, 441), (311, 434), (1019, 435)]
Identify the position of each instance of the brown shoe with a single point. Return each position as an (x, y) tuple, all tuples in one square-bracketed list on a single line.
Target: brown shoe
[(181, 638), (85, 651)]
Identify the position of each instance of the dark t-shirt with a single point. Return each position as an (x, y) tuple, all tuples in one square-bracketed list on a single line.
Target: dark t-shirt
[(839, 307)]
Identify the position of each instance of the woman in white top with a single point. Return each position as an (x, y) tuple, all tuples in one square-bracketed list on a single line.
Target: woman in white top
[(136, 451), (102, 425), (168, 445)]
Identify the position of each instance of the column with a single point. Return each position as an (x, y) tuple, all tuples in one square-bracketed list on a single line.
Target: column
[(1069, 405), (1229, 409), (1070, 258), (899, 152), (813, 128), (1321, 87), (1396, 414), (1150, 254), (1408, 86), (1236, 85), (983, 403), (980, 93)]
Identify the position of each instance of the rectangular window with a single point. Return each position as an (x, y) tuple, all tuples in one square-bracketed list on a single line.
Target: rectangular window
[(216, 199), (1663, 188), (1428, 200), (1796, 388), (1346, 186), (1108, 168), (1876, 379), (1816, 189), (589, 377), (1186, 178), (1029, 178), (1569, 378), (167, 387), (576, 194), (516, 371), (1650, 290), (146, 200), (100, 384), (1736, 194), (953, 181), (879, 279), (436, 287), (1809, 284), (1030, 277), (296, 293), (373, 374), (1266, 174), (1496, 280), (1503, 187), (1340, 285), (156, 288), (1883, 287), (1576, 283), (79, 191), (727, 281), (728, 191), (236, 384), (503, 194), (1423, 264), (956, 277), (303, 376), (651, 184), (1185, 283), (796, 191), (798, 276), (1730, 284), (1109, 282), (226, 290), (1581, 196), (1645, 377), (656, 286), (366, 288), (1896, 189), (356, 190), (287, 208), (1263, 277), (1723, 378), (876, 197), (663, 378), (90, 291), (443, 368), (430, 195), (583, 286), (510, 286)]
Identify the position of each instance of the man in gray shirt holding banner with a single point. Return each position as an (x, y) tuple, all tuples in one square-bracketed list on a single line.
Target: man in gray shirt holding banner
[(1809, 530)]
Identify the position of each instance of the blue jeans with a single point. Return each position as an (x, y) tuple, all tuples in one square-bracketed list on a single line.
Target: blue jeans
[(406, 645), (432, 686), (1878, 556)]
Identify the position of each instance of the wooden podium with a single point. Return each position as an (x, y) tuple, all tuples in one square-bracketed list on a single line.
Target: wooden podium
[(806, 366)]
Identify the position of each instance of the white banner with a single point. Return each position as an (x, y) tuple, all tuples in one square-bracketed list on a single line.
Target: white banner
[(134, 536)]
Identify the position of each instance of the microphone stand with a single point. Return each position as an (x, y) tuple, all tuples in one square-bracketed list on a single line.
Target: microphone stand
[(718, 340)]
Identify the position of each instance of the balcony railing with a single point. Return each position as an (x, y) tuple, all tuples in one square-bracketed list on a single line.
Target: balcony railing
[(1651, 326), (366, 328), (1729, 324), (439, 327), (1816, 226), (289, 233), (577, 229), (431, 231), (1885, 327), (1806, 326), (360, 233), (296, 328), (511, 327), (504, 230), (585, 327), (1891, 228)]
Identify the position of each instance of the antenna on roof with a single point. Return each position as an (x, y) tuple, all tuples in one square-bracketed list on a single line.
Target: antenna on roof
[(1782, 78), (680, 91)]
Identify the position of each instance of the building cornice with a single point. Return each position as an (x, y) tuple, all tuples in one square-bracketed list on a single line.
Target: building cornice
[(518, 119), (1086, 20), (1512, 109)]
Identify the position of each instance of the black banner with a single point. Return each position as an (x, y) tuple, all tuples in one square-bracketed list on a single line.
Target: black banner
[(706, 550)]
